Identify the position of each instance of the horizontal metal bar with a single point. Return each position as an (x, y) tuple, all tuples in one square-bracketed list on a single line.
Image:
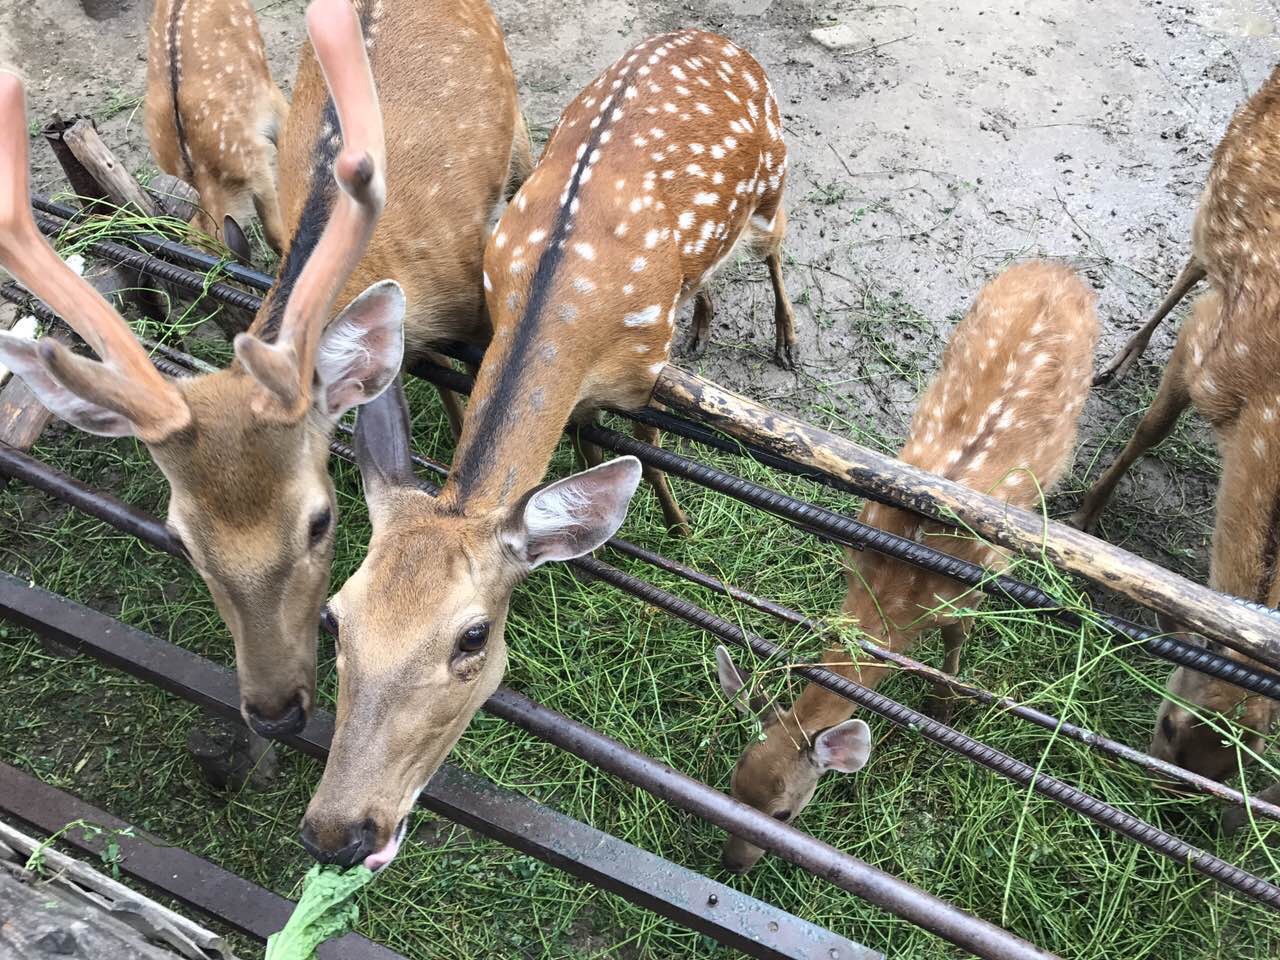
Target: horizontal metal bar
[(1095, 741), (846, 531), (975, 750), (1248, 628), (732, 918), (216, 892)]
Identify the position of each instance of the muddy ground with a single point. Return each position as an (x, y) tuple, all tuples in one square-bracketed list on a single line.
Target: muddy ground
[(948, 140)]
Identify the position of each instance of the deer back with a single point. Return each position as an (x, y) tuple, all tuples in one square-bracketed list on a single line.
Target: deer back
[(1000, 416), (211, 105), (1236, 238), (650, 177), (448, 99)]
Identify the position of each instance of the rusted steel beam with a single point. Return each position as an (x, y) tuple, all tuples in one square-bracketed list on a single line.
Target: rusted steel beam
[(846, 531), (1243, 627), (1250, 631), (1260, 803), (722, 913), (196, 882)]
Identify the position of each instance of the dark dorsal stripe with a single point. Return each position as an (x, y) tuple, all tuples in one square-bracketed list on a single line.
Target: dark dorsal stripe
[(322, 192), (501, 412), (175, 80)]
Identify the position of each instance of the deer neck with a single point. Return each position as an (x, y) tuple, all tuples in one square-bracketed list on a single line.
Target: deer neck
[(528, 387)]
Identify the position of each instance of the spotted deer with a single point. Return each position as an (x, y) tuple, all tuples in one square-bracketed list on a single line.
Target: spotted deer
[(245, 449), (1000, 416), (214, 115), (650, 177), (1235, 241), (1202, 719)]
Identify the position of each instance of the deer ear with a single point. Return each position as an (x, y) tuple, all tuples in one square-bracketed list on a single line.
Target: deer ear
[(732, 679), (233, 236), (573, 516), (844, 747), (361, 350), (382, 441), (28, 361)]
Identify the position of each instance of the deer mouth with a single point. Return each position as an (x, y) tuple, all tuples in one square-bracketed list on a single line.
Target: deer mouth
[(380, 858)]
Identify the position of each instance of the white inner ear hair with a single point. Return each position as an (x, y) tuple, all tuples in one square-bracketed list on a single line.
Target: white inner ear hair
[(555, 510)]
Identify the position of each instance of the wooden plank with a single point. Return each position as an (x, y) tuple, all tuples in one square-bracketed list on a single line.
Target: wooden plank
[(1255, 633)]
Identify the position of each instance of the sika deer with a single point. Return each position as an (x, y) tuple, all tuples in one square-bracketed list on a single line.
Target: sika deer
[(1234, 240), (1000, 416), (651, 176), (213, 114), (1191, 723), (245, 449)]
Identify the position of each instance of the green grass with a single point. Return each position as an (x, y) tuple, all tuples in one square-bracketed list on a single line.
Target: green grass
[(647, 679)]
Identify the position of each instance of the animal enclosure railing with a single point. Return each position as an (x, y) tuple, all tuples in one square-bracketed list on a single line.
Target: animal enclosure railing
[(886, 481)]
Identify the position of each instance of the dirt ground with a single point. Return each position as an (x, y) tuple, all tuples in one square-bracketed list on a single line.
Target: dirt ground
[(949, 139)]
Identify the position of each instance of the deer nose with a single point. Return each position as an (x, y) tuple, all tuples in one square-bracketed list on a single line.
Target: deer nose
[(357, 842), (286, 724)]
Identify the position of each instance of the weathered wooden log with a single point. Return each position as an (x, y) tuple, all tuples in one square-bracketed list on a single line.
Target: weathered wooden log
[(81, 886), (101, 164), (177, 198), (89, 192), (1249, 631)]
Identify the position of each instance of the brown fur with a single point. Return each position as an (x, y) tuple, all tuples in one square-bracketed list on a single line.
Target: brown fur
[(1001, 417), (247, 483), (221, 134), (593, 332), (455, 141), (1246, 539), (1224, 364)]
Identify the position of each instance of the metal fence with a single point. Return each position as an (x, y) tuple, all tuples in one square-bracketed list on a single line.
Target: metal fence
[(672, 891)]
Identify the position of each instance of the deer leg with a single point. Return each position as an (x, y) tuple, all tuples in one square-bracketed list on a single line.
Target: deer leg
[(452, 402), (941, 701), (521, 163), (785, 348), (704, 311), (1191, 274), (589, 454), (677, 522), (1157, 423)]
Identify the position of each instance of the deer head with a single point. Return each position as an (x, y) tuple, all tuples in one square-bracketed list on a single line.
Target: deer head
[(1207, 725), (779, 774), (420, 626), (244, 449)]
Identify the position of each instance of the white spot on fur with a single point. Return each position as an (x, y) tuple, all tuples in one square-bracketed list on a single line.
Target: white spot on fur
[(642, 318)]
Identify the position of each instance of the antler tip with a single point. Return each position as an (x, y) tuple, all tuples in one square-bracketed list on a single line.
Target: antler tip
[(330, 15)]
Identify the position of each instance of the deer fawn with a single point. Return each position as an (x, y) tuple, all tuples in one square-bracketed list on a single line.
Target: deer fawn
[(214, 115), (245, 449), (1232, 243), (650, 177), (1000, 416), (1245, 411)]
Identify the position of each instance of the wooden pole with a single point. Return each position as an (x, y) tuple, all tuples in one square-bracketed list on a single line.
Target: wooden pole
[(1248, 631), (101, 164)]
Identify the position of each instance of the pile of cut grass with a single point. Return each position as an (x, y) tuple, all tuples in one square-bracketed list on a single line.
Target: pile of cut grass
[(647, 679)]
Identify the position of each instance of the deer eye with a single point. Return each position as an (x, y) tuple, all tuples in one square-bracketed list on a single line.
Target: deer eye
[(329, 621), (474, 638), (320, 525), (1166, 727), (783, 815)]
